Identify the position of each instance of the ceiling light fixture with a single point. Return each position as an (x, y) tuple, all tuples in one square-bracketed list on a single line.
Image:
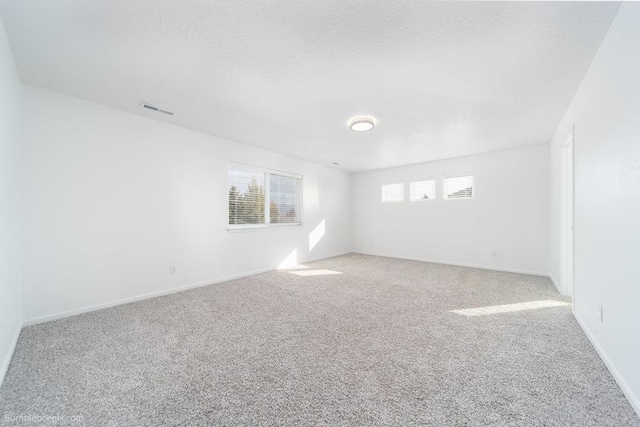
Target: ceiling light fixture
[(361, 124)]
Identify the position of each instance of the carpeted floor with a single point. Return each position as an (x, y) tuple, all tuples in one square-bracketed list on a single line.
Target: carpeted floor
[(375, 345)]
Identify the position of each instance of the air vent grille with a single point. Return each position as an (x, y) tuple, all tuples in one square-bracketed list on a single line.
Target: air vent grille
[(154, 108)]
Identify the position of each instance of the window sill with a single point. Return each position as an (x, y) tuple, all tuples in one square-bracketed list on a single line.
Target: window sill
[(262, 227)]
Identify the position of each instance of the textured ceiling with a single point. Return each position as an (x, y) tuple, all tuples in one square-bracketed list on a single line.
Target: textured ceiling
[(443, 79)]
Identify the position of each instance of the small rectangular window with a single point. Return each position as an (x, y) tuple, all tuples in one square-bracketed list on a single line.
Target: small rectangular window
[(393, 192), (259, 197), (460, 187), (422, 190)]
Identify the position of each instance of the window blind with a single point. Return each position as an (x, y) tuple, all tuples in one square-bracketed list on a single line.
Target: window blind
[(284, 199), (422, 190), (460, 187), (246, 196), (260, 196), (393, 192)]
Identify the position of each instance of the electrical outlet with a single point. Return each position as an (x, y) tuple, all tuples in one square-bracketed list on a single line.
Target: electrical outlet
[(172, 269), (495, 254), (601, 313)]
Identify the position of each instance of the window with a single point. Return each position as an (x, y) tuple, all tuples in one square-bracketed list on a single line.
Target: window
[(283, 203), (259, 197), (422, 190), (460, 187), (393, 192)]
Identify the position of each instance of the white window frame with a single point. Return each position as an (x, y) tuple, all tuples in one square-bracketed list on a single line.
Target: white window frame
[(432, 178), (404, 191), (267, 199), (459, 175)]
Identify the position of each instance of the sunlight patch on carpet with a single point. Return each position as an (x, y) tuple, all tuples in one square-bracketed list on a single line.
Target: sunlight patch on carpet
[(314, 272), (509, 308)]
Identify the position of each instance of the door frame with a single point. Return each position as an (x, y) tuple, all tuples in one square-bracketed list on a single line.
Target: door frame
[(568, 215)]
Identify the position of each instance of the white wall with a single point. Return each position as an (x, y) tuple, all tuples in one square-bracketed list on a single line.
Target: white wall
[(606, 114), (10, 239), (112, 199), (508, 214)]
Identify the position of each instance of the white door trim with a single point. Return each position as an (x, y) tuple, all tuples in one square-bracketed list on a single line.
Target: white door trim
[(568, 214)]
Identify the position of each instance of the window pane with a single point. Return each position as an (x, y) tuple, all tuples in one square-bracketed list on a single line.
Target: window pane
[(423, 190), (246, 196), (460, 187), (284, 200), (393, 192)]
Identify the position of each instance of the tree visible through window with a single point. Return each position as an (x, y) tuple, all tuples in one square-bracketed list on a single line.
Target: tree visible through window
[(283, 192), (246, 199), (252, 189)]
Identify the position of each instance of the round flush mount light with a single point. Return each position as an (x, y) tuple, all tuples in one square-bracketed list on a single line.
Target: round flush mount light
[(361, 124)]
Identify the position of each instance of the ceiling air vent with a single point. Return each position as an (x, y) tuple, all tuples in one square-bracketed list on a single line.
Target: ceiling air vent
[(154, 108)]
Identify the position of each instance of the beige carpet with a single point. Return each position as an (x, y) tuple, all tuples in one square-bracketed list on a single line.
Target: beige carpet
[(377, 344)]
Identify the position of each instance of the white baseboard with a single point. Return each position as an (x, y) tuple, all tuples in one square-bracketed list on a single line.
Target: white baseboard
[(314, 259), (75, 312), (458, 264), (631, 397), (7, 358)]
